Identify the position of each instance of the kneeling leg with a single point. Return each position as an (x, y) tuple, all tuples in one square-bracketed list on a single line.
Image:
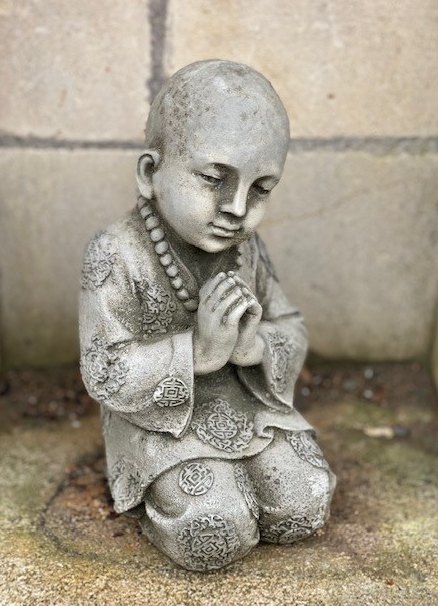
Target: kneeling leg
[(294, 487), (196, 515)]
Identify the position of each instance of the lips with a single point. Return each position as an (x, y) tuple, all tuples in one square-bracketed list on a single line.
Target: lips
[(224, 231)]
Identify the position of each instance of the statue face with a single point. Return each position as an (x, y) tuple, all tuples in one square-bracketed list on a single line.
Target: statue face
[(214, 190)]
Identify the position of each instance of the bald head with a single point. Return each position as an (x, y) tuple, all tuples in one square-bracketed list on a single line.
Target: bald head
[(211, 97), (217, 138)]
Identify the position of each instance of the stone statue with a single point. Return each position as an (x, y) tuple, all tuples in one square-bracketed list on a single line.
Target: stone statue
[(187, 339)]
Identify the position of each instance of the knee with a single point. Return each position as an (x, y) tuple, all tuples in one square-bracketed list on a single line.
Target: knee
[(299, 511), (213, 538), (210, 541), (204, 532)]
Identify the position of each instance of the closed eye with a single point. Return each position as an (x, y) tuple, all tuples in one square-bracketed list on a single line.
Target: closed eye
[(210, 179), (262, 191)]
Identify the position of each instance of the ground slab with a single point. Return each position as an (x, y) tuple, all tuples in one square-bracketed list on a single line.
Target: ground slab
[(62, 544)]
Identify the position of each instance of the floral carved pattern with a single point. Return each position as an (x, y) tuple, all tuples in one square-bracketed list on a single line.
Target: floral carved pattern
[(223, 427), (306, 448), (103, 371), (246, 487), (171, 391), (208, 542), (158, 308), (196, 479), (98, 261), (280, 349), (126, 485)]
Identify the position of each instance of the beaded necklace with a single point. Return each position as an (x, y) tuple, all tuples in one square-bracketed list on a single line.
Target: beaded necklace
[(165, 256)]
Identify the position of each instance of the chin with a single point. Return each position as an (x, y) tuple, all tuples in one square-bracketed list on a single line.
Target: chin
[(216, 245)]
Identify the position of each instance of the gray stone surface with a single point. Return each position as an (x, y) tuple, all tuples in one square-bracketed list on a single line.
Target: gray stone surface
[(188, 341), (51, 204), (78, 71), (434, 359), (341, 68), (354, 238), (61, 543), (74, 70)]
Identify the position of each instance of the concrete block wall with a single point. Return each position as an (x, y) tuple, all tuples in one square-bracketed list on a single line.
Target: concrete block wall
[(353, 226), (73, 102)]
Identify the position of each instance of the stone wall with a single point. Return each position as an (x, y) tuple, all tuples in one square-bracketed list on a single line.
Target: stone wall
[(353, 227)]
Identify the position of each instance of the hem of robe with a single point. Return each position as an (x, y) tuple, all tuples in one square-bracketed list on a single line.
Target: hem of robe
[(143, 446)]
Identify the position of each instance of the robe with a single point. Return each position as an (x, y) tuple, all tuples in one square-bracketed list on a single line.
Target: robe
[(136, 339)]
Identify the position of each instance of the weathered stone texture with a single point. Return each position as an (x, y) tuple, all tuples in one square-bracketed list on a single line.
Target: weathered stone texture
[(61, 544), (51, 204), (353, 237), (355, 241), (353, 234), (74, 70), (434, 362), (342, 68)]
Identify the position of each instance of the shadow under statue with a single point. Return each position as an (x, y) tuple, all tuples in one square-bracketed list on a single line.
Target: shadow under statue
[(187, 339)]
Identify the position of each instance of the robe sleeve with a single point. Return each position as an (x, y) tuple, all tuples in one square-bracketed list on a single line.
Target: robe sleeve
[(285, 336), (146, 380)]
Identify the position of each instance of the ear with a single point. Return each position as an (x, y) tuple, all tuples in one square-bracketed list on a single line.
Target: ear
[(146, 166)]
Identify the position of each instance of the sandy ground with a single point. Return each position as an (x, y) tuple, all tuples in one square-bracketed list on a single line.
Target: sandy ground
[(62, 544)]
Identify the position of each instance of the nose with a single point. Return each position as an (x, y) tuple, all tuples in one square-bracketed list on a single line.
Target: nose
[(236, 205)]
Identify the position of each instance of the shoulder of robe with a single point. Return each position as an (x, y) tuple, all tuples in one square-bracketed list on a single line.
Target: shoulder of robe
[(263, 256), (131, 237), (123, 245)]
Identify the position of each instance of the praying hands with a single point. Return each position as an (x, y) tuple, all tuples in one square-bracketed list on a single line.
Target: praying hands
[(227, 321)]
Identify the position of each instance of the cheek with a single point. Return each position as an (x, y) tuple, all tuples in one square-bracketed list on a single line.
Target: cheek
[(185, 205), (201, 203), (254, 216), (173, 194)]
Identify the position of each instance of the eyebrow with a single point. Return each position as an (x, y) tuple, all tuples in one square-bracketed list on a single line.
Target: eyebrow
[(228, 167), (220, 166)]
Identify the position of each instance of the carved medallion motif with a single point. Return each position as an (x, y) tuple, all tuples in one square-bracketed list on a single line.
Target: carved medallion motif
[(209, 542), (287, 531), (126, 485), (196, 479), (98, 261), (102, 369), (280, 348), (158, 308), (306, 448), (223, 427), (171, 391), (246, 487)]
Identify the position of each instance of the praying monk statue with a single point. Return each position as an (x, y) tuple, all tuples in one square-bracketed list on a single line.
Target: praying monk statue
[(189, 343)]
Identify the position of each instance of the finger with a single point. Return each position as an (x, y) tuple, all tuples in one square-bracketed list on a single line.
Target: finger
[(229, 301), (235, 313), (254, 307), (222, 291), (248, 294), (210, 285), (240, 281)]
